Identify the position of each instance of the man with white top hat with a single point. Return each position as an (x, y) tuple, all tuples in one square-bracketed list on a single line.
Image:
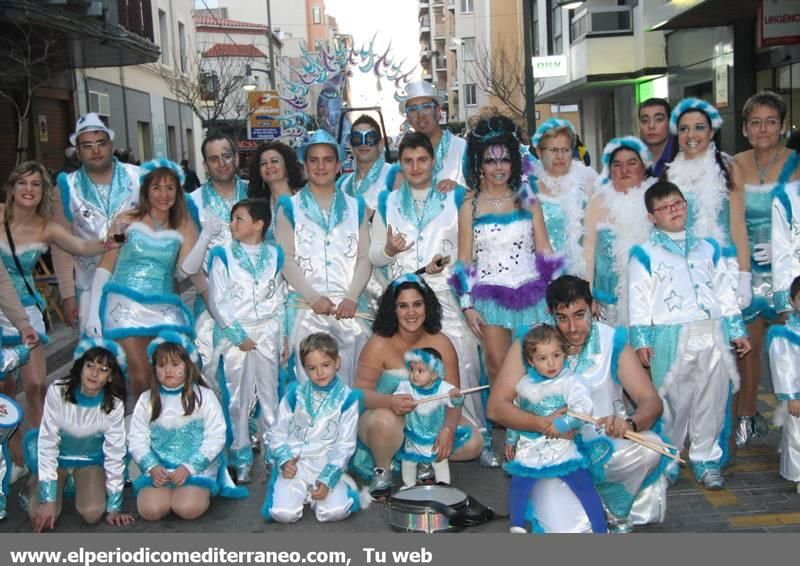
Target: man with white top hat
[(422, 106), (90, 198), (324, 234)]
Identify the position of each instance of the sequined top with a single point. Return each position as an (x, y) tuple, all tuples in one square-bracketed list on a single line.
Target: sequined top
[(604, 288), (555, 221), (758, 218), (147, 260), (27, 255), (390, 379), (504, 247)]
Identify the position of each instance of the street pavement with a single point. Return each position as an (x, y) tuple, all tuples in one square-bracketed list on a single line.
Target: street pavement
[(755, 498)]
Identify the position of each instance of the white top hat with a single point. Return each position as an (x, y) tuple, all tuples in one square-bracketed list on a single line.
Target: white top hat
[(90, 122), (421, 89)]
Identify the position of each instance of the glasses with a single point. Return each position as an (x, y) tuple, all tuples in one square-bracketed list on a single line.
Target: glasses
[(415, 109), (673, 207), (768, 124), (556, 151), (369, 138), (225, 158), (90, 146), (493, 161)]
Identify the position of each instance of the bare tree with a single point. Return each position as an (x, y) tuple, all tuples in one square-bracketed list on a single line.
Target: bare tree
[(29, 61), (212, 88), (500, 72)]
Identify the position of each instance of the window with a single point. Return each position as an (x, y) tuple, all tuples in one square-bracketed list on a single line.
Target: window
[(469, 49), (182, 45), (316, 15), (467, 6), (471, 94), (163, 36), (100, 103), (556, 35)]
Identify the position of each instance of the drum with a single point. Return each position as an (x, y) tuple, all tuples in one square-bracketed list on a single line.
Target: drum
[(426, 509), (10, 417)]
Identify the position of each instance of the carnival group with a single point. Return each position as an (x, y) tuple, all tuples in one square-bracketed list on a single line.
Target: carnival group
[(339, 328)]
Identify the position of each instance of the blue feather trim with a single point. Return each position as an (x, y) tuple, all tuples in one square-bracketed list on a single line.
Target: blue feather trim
[(355, 396), (64, 192), (503, 217), (226, 401), (362, 209), (225, 485), (353, 495), (30, 450), (717, 250), (194, 213), (459, 195), (639, 254), (604, 297), (279, 260), (291, 395), (267, 506), (620, 342), (781, 331), (16, 340), (218, 252), (173, 300), (555, 471), (391, 176), (383, 199), (598, 452), (285, 204)]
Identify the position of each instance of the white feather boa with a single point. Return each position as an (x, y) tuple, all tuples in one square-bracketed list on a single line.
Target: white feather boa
[(705, 180), (571, 191), (627, 216)]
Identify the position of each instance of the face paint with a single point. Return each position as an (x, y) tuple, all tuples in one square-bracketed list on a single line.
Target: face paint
[(496, 155)]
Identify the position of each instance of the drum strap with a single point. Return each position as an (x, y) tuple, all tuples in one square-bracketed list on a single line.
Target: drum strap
[(22, 274)]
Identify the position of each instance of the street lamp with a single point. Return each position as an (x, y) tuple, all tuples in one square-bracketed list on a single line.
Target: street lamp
[(250, 82)]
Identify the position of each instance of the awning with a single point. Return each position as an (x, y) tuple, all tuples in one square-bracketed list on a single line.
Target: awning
[(573, 92)]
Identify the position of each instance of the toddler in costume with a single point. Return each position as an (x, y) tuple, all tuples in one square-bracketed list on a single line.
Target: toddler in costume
[(83, 434), (784, 362), (423, 424), (539, 457), (313, 439)]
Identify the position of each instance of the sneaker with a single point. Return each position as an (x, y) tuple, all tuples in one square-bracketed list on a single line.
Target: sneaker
[(619, 525), (381, 483), (488, 459), (255, 444), (517, 531), (712, 480), (425, 472), (242, 474), (18, 472), (745, 430)]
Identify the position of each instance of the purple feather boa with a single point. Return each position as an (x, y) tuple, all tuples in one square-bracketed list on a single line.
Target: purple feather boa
[(526, 295)]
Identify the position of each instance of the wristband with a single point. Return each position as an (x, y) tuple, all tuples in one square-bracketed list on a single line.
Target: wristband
[(631, 422)]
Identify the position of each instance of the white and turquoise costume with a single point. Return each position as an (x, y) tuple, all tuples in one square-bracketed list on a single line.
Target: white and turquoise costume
[(174, 439), (139, 299), (91, 209), (429, 220), (784, 361), (785, 241), (78, 435), (627, 475), (326, 253), (203, 204), (369, 186), (249, 294), (28, 255), (318, 426), (683, 304)]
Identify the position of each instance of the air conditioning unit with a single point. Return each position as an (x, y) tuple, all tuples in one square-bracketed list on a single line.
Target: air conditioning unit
[(100, 103)]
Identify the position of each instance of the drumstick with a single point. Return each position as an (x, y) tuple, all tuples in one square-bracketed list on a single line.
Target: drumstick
[(446, 395), (301, 304), (659, 447)]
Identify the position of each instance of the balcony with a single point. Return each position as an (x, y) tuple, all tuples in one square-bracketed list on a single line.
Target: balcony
[(451, 5), (89, 34), (423, 7), (602, 22)]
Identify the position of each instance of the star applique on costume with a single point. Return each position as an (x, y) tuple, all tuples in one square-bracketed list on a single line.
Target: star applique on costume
[(235, 291), (304, 263), (663, 271), (673, 301), (303, 235), (120, 312), (169, 314), (545, 452)]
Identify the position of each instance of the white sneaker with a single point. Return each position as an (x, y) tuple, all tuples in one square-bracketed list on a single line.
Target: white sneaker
[(517, 531), (18, 472)]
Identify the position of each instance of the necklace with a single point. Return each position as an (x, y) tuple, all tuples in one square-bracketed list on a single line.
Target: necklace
[(158, 226), (499, 202), (762, 171)]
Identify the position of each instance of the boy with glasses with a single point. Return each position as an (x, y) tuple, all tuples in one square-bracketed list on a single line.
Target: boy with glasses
[(684, 316), (90, 198)]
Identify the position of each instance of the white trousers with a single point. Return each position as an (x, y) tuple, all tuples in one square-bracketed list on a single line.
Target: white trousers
[(289, 497)]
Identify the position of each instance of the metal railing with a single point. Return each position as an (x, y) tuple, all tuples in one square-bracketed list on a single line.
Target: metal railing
[(601, 21)]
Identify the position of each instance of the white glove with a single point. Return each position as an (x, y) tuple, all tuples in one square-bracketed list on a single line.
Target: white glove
[(93, 326), (213, 226), (193, 262), (762, 253), (744, 289)]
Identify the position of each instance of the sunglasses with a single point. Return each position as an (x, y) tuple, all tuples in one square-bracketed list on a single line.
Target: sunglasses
[(369, 138)]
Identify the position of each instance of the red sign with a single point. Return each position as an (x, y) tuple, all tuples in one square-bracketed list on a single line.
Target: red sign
[(778, 22)]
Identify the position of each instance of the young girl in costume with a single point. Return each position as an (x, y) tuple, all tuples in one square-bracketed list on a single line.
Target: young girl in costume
[(545, 461), (248, 293), (313, 439), (426, 379), (26, 234), (784, 360), (177, 435), (133, 292), (83, 434), (501, 276)]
